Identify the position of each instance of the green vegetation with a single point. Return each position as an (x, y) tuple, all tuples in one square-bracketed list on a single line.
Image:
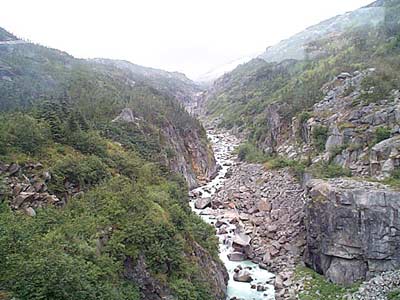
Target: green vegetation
[(394, 179), (250, 153), (19, 132), (394, 295), (329, 170), (320, 136), (58, 111), (381, 134), (316, 287)]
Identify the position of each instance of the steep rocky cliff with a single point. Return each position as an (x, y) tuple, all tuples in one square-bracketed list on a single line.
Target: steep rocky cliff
[(352, 229)]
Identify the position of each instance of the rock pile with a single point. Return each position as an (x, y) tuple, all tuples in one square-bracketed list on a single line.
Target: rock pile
[(379, 287), (269, 207), (26, 187)]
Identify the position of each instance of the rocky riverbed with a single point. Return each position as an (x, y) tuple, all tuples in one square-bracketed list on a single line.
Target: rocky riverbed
[(258, 215)]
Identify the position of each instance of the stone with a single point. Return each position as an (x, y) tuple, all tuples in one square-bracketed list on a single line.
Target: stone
[(242, 276), (264, 205), (202, 203), (236, 256), (30, 211), (13, 169), (21, 198), (241, 240)]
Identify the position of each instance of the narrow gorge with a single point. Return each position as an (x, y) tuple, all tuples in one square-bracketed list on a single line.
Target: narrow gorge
[(276, 179)]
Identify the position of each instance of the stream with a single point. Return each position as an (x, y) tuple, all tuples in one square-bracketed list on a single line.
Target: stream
[(261, 286)]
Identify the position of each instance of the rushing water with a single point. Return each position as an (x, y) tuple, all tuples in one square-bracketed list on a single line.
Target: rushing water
[(223, 146)]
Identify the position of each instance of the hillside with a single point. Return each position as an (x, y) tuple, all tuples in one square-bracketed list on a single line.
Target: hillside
[(95, 166), (323, 107)]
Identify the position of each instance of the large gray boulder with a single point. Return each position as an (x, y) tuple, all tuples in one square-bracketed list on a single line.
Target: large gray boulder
[(242, 276), (202, 203)]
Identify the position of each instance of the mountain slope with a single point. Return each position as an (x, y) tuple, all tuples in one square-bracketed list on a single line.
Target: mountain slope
[(324, 105), (93, 203), (296, 47)]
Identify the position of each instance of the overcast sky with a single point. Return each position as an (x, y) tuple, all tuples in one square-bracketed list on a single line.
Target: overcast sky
[(177, 35)]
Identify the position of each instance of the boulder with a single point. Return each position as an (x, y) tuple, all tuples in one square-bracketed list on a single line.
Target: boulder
[(30, 211), (237, 256), (241, 240), (202, 203), (21, 198), (242, 276)]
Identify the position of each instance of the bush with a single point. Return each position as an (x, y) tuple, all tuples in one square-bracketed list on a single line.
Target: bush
[(24, 133), (88, 142), (297, 167), (83, 172), (394, 295), (320, 136), (378, 86), (250, 153), (317, 287), (381, 134), (330, 170)]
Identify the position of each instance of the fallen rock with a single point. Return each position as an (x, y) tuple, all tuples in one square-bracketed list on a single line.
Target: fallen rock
[(202, 203), (242, 276), (236, 256)]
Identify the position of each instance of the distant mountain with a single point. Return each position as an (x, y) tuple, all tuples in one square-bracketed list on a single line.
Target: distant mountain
[(215, 73), (173, 83), (298, 46), (6, 36)]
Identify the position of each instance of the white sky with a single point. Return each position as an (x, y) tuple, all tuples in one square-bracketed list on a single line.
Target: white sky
[(177, 35)]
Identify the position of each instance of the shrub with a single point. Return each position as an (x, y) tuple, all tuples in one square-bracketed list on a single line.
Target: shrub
[(297, 167), (320, 136), (304, 116), (84, 172), (88, 142), (381, 134), (250, 153), (394, 295), (329, 170), (24, 133), (378, 86)]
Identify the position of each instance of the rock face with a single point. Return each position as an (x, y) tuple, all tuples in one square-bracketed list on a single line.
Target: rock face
[(214, 269), (352, 229), (150, 288), (351, 124), (188, 152)]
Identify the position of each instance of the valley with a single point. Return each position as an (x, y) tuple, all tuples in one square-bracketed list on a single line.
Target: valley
[(278, 180)]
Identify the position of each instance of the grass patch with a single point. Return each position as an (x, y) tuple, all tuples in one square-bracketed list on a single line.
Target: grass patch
[(316, 287), (250, 153), (394, 179), (381, 134), (329, 170), (297, 167), (394, 295)]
